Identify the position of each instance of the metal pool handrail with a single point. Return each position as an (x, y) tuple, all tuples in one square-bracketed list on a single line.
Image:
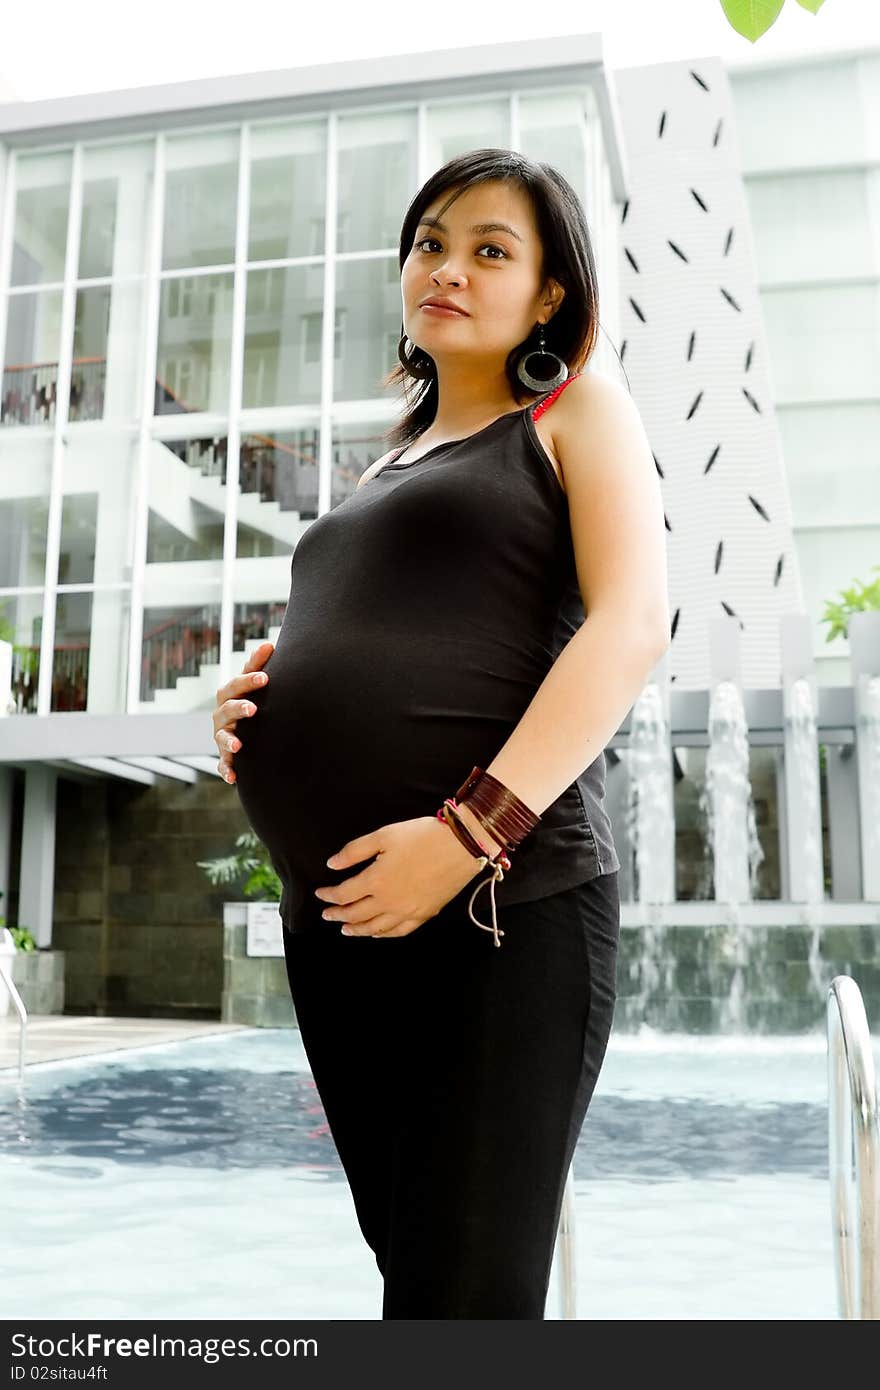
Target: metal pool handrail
[(853, 1130), (565, 1236)]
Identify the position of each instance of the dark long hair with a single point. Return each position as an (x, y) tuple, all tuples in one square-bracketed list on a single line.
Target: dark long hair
[(567, 257)]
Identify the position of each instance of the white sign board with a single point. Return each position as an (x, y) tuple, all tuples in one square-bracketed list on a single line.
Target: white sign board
[(264, 930)]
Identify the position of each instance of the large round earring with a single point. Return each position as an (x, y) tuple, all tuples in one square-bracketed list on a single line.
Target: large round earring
[(418, 364), (539, 369)]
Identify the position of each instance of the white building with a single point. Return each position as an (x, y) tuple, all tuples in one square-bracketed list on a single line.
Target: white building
[(809, 138)]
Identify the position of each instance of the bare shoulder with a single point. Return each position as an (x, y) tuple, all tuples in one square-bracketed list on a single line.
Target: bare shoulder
[(591, 400), (595, 421), (372, 469)]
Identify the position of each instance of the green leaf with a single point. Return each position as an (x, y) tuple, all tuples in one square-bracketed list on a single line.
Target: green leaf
[(752, 18), (861, 598), (250, 866), (814, 6), (23, 938)]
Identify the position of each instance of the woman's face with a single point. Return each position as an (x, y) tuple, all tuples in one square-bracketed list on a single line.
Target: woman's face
[(493, 273)]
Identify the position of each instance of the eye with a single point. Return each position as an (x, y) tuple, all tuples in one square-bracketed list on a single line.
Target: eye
[(488, 245)]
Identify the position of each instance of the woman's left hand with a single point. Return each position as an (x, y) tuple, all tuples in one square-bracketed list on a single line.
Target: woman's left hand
[(420, 866)]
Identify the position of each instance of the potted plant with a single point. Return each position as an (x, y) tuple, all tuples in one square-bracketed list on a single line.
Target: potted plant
[(38, 972), (255, 988)]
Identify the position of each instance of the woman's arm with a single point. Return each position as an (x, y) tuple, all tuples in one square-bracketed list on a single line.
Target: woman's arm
[(619, 535)]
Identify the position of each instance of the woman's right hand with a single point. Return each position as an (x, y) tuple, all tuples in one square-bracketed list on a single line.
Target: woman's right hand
[(232, 704)]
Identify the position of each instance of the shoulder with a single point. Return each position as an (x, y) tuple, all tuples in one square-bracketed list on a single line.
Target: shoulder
[(588, 398), (594, 421)]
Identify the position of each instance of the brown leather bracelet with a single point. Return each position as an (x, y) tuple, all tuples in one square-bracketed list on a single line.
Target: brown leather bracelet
[(502, 813)]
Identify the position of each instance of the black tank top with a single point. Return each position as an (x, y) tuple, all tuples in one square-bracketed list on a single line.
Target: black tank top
[(424, 612)]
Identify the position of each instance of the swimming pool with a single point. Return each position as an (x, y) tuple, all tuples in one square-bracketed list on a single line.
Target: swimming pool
[(198, 1179)]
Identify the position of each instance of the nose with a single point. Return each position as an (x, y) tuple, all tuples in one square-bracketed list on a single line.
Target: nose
[(446, 274)]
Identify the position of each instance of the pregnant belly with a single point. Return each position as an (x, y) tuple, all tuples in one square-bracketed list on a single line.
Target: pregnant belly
[(349, 736)]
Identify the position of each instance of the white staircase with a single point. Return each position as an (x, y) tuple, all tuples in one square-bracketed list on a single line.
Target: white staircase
[(266, 518), (200, 692), (181, 493)]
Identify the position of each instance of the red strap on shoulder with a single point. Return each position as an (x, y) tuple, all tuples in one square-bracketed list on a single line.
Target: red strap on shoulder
[(543, 405)]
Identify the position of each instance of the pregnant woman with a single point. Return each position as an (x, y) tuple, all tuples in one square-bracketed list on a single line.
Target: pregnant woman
[(422, 754)]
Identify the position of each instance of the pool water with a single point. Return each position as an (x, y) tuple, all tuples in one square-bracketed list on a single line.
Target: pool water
[(198, 1179)]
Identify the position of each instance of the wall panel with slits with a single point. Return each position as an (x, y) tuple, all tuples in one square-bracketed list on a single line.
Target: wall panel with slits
[(694, 350)]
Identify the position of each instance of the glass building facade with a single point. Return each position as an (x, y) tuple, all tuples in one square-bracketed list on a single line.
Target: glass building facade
[(814, 213), (195, 324)]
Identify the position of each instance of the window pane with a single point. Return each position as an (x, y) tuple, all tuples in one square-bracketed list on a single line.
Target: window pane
[(105, 379), (832, 212), (831, 465), (354, 448), (257, 620), (91, 651), (21, 619), (377, 173), (25, 471), (117, 189), (282, 344), (369, 309), (278, 490), (97, 509), (201, 187), (768, 139), (187, 501), (195, 326), (824, 342), (30, 367), (552, 129), (42, 199), (456, 127), (288, 178), (181, 641)]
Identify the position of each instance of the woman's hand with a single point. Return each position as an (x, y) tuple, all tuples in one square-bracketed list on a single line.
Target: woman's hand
[(231, 706), (420, 866)]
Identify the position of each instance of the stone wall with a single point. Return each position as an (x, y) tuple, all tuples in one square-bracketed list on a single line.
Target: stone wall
[(255, 988), (139, 922), (39, 978)]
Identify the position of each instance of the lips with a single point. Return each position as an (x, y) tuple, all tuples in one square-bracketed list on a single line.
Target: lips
[(446, 308)]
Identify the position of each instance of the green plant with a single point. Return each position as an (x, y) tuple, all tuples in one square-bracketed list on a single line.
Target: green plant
[(22, 936), (250, 867), (859, 599), (752, 18), (28, 656)]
